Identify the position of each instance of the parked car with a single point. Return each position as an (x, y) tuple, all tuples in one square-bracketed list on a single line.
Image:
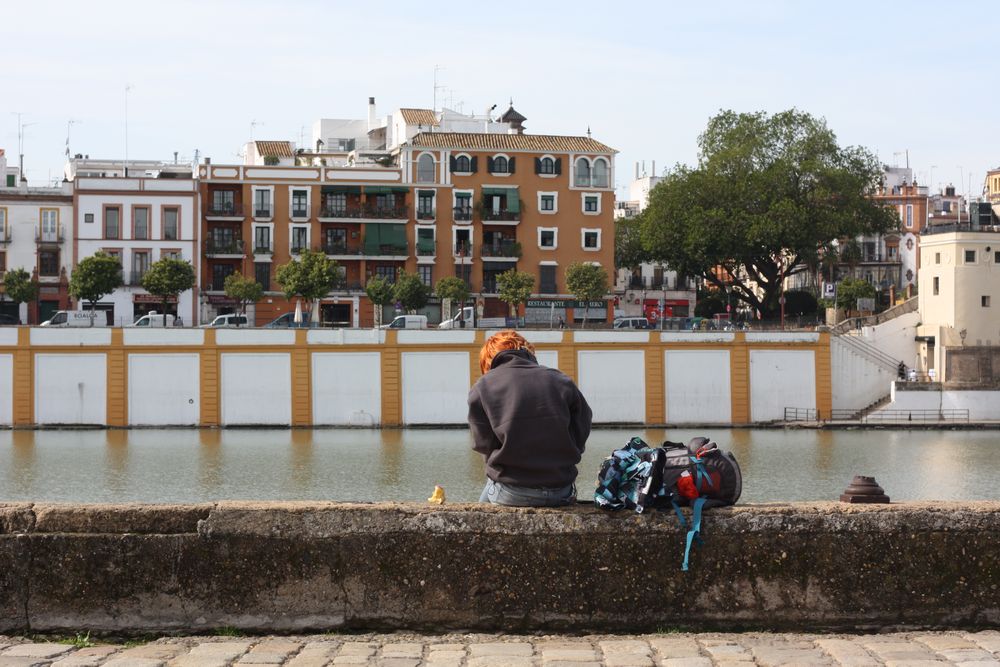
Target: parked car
[(407, 322), (76, 318), (287, 321), (632, 323), (154, 319), (8, 320), (228, 320)]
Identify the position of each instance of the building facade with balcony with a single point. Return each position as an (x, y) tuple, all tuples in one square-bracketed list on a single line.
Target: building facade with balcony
[(139, 220), (35, 235), (445, 204)]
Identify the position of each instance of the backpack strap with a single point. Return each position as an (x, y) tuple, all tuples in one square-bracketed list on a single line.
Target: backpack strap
[(677, 511), (700, 473), (693, 534)]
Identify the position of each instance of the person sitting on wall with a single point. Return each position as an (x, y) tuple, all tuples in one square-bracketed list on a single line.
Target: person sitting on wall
[(530, 422)]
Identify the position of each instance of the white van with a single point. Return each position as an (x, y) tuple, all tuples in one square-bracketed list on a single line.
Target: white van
[(76, 318), (153, 319), (226, 321), (407, 322), (466, 319)]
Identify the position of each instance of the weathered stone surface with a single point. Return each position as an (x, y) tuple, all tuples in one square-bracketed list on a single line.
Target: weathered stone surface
[(291, 567), (45, 651)]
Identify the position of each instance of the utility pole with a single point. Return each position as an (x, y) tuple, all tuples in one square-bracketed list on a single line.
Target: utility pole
[(69, 124), (436, 86), (20, 143)]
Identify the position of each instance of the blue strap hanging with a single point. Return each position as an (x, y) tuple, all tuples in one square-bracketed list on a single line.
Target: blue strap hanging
[(693, 534), (680, 515)]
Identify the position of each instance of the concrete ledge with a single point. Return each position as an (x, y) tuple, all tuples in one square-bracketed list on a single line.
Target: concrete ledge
[(319, 566)]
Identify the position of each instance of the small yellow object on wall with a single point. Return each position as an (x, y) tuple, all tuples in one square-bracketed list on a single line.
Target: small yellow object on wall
[(438, 496)]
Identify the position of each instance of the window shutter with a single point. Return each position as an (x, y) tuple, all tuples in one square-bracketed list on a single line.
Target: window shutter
[(510, 166), (451, 163), (538, 165), (475, 164), (558, 165), (513, 201), (489, 165)]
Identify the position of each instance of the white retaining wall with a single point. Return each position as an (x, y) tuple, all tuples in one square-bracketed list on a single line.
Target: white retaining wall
[(71, 388), (780, 379), (698, 386), (163, 390), (982, 405)]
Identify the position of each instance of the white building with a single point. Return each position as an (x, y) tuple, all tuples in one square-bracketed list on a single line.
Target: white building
[(652, 289), (139, 219), (35, 235)]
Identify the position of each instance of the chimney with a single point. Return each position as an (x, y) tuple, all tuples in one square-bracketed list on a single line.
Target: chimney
[(175, 157), (208, 160), (637, 170), (654, 169), (371, 114)]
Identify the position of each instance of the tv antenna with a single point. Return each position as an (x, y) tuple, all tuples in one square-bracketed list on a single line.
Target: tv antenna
[(436, 87)]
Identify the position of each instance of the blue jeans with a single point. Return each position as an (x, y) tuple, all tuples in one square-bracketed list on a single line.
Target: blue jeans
[(499, 493)]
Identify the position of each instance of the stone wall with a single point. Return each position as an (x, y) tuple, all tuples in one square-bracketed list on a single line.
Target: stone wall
[(298, 567)]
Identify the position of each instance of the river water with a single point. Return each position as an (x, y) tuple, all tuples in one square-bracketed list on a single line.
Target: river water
[(185, 466)]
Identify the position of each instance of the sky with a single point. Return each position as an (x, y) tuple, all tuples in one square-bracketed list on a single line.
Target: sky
[(899, 78)]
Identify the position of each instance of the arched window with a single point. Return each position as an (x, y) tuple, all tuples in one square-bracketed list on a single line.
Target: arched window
[(425, 168), (547, 166), (583, 172), (600, 179), (500, 165), (463, 164)]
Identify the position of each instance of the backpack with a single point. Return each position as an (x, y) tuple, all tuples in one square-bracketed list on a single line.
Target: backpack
[(699, 475)]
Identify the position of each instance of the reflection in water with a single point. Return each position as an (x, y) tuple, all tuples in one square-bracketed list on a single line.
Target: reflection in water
[(180, 465)]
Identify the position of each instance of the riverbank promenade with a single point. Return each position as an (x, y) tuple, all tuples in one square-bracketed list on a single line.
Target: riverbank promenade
[(910, 649)]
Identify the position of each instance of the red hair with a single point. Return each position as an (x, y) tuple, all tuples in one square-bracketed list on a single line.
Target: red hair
[(498, 342)]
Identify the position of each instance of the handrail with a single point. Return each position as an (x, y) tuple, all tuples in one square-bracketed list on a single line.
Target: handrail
[(851, 323), (869, 350), (879, 416)]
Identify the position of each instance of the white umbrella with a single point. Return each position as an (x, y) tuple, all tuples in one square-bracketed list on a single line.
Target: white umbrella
[(298, 312)]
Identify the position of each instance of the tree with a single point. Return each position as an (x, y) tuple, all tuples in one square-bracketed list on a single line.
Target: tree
[(167, 278), (514, 287), (769, 193), (850, 290), (19, 287), (379, 291), (411, 292), (242, 290), (629, 250), (94, 277), (587, 282), (311, 277), (453, 288)]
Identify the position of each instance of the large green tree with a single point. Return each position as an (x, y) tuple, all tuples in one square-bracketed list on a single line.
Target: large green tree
[(453, 288), (167, 278), (587, 282), (768, 194), (514, 288), (19, 287), (242, 290), (311, 277), (94, 277), (379, 291), (629, 249), (411, 292)]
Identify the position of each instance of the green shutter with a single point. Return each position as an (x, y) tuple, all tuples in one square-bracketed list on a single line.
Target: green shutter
[(494, 191), (342, 189), (513, 201), (394, 235), (377, 190)]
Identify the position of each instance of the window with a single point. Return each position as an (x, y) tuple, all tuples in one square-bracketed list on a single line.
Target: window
[(219, 273), (223, 202), (48, 263), (425, 205), (140, 264), (546, 166), (88, 217), (11, 180), (112, 222), (547, 279), (3, 262), (909, 216), (970, 256), (50, 224), (582, 173), (170, 254), (334, 205), (985, 300), (501, 165), (300, 239), (262, 274), (170, 216), (937, 258), (300, 203), (591, 204), (892, 252), (425, 272), (996, 257), (591, 239), (462, 164), (335, 241), (425, 242), (937, 286), (222, 240), (464, 272), (600, 175), (425, 168), (261, 240), (463, 206), (547, 238), (140, 223), (262, 203), (386, 271), (547, 202)]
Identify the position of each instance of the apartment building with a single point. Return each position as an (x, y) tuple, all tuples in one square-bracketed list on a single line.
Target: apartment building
[(33, 236), (463, 204), (139, 218)]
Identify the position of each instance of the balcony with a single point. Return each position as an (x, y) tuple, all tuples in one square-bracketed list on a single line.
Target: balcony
[(263, 248), (504, 250), (340, 250), (263, 213), (490, 215), (425, 214), (224, 211), (4, 236), (426, 248), (47, 238), (547, 288), (221, 248), (462, 213), (365, 212), (387, 250), (462, 250)]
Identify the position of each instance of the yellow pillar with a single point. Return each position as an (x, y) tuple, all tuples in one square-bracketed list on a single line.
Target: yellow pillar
[(656, 412), (567, 356), (117, 391), (391, 382), (474, 371), (23, 380), (739, 379), (301, 381), (210, 403), (824, 378)]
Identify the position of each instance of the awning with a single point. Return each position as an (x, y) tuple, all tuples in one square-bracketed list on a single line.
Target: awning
[(384, 190), (513, 201), (342, 189)]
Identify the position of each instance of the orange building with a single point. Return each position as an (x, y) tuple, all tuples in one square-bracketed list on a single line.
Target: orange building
[(470, 205)]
